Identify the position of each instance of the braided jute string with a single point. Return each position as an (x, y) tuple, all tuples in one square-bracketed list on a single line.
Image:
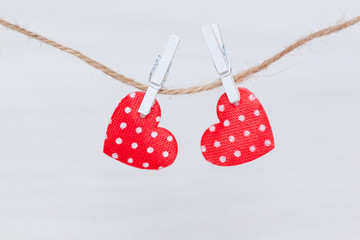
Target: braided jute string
[(240, 77)]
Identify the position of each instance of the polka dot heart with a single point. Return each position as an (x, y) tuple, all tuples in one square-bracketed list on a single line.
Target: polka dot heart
[(243, 134), (137, 140)]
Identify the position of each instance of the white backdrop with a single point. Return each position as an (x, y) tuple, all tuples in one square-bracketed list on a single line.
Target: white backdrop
[(55, 182)]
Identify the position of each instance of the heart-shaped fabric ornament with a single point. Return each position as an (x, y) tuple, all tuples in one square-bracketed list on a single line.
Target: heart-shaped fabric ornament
[(243, 134), (137, 140)]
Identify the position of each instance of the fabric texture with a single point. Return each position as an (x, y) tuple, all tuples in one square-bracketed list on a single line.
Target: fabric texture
[(243, 134), (137, 140)]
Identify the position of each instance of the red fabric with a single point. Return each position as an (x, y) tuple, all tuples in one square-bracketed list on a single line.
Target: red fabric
[(138, 141), (243, 134)]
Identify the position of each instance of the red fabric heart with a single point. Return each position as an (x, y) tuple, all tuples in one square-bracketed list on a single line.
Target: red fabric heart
[(243, 134), (138, 141)]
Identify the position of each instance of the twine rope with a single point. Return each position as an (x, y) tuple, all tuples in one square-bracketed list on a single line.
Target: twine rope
[(240, 77)]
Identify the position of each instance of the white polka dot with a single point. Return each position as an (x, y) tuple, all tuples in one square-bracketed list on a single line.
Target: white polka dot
[(114, 155), (165, 154), (267, 142), (212, 128), (226, 123), (203, 149), (262, 127), (252, 97), (110, 121), (256, 112), (160, 168), (221, 108), (241, 118), (222, 159), (142, 115), (132, 95), (158, 119), (216, 144), (130, 160), (118, 141), (154, 134), (247, 133), (127, 109), (237, 104), (232, 139), (237, 153), (150, 150), (123, 125), (145, 165), (252, 148), (134, 145), (169, 138), (138, 130)]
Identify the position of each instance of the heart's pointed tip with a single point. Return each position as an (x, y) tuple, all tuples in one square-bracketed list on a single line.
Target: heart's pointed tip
[(144, 166), (236, 163)]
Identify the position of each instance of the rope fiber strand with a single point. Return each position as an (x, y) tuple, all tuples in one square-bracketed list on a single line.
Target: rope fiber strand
[(240, 77)]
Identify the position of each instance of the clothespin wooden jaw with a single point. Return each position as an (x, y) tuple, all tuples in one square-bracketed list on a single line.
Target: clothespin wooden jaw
[(221, 60), (158, 75)]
